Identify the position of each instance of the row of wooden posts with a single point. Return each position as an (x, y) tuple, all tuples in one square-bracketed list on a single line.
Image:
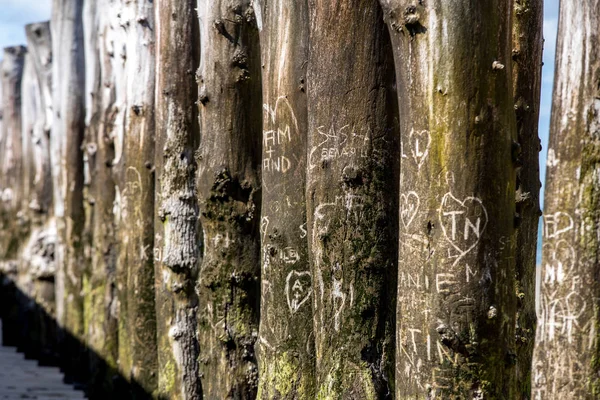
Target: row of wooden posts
[(309, 199)]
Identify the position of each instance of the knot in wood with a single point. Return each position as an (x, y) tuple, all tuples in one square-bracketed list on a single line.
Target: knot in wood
[(411, 16)]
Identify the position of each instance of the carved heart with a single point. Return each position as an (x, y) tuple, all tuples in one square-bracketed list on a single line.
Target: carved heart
[(559, 260), (462, 222), (298, 288), (409, 206), (419, 142), (557, 224)]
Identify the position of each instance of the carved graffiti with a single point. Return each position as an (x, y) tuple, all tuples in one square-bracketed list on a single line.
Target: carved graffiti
[(409, 206), (277, 134), (559, 261), (557, 224), (419, 142), (462, 222), (340, 141), (298, 288)]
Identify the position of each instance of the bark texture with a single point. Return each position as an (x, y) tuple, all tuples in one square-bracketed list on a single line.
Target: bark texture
[(286, 340), (351, 203), (229, 196), (456, 284), (527, 48), (176, 226), (566, 354), (68, 125)]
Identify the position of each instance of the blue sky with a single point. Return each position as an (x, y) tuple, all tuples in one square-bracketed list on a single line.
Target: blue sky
[(550, 30), (16, 13)]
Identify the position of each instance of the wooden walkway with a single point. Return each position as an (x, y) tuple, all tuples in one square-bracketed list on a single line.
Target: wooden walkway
[(25, 379)]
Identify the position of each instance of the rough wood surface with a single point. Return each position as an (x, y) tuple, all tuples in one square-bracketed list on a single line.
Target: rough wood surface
[(286, 341), (68, 125), (39, 42), (567, 349), (352, 209), (527, 79), (100, 305), (37, 255), (11, 150), (31, 111), (229, 196), (176, 225), (136, 187)]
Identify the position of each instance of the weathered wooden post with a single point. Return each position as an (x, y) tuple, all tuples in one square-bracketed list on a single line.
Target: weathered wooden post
[(352, 198), (567, 348), (229, 197), (527, 78), (13, 229), (39, 43), (103, 58), (38, 254), (11, 166), (136, 186), (286, 340), (456, 285), (176, 243), (68, 125)]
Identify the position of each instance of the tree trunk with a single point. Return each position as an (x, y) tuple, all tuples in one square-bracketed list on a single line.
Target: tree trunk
[(456, 284), (527, 78), (176, 224), (352, 218), (286, 340), (137, 201), (102, 57), (566, 353), (68, 127), (229, 197)]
